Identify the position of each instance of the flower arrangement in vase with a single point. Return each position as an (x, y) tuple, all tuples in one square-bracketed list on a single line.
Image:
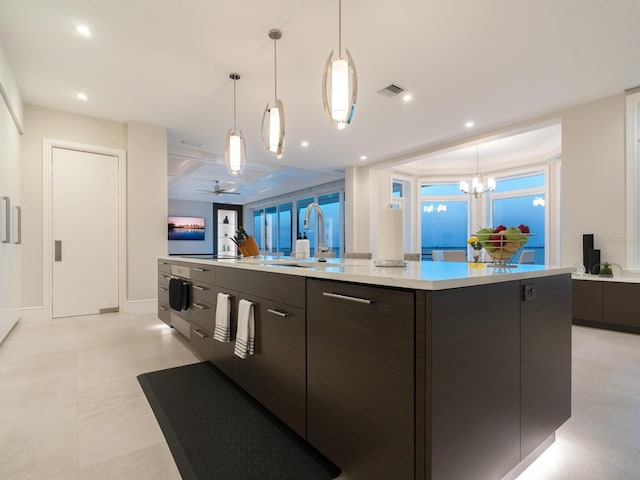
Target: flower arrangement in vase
[(476, 246)]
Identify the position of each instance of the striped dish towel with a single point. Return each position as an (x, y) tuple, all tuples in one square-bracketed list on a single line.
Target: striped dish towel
[(245, 337), (223, 314)]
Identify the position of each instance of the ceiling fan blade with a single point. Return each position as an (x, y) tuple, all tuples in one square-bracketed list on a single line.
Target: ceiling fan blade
[(229, 193)]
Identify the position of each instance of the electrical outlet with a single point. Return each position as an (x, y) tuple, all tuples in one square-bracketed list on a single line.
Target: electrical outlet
[(528, 293)]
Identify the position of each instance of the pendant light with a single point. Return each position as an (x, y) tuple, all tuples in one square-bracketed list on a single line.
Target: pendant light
[(275, 143), (340, 83), (234, 147), (478, 185)]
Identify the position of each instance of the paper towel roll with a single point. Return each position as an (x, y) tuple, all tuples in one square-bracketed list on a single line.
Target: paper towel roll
[(390, 243)]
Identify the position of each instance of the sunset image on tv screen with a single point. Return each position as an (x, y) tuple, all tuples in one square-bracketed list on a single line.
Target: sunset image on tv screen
[(186, 228)]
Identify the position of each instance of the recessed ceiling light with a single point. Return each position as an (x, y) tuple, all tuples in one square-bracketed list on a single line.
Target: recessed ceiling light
[(407, 97), (305, 144), (83, 30), (469, 124), (82, 96), (363, 157)]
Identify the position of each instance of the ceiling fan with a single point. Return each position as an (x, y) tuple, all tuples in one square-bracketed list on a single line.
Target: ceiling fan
[(218, 191)]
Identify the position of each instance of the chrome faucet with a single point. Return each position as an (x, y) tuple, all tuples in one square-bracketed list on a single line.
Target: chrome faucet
[(321, 255)]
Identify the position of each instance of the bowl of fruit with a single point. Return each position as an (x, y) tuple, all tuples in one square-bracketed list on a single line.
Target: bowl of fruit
[(503, 243)]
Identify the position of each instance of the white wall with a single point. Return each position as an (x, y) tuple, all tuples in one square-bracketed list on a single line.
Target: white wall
[(42, 123), (146, 207), (593, 179), (186, 208), (589, 182), (10, 253)]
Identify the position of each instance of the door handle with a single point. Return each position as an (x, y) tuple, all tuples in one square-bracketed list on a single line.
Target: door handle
[(7, 219), (19, 215), (58, 250)]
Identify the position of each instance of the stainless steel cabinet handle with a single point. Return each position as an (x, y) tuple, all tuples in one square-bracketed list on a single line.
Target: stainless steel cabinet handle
[(200, 269), (200, 307), (58, 251), (345, 297), (164, 263), (19, 214), (200, 333), (164, 289), (164, 309), (198, 287), (279, 313), (165, 276), (7, 219)]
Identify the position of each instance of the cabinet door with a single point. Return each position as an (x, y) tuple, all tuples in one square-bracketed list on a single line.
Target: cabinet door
[(546, 359), (586, 301), (275, 374), (360, 378), (621, 304), (475, 381)]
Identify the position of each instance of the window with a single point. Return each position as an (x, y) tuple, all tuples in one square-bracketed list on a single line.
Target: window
[(331, 209), (301, 206), (278, 221), (521, 200), (258, 229), (285, 228), (633, 180), (444, 219)]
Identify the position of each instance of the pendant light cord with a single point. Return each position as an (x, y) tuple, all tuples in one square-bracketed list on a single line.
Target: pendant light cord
[(234, 106), (275, 73), (339, 28)]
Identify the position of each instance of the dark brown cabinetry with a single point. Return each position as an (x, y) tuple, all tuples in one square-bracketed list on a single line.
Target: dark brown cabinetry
[(474, 381), (545, 360), (606, 304), (276, 374), (360, 378)]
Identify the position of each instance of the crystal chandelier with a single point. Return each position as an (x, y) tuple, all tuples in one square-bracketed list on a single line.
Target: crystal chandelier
[(477, 186)]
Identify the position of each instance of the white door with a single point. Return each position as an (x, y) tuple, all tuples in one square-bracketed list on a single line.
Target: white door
[(85, 233)]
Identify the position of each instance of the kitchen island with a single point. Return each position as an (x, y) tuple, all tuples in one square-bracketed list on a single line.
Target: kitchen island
[(435, 370)]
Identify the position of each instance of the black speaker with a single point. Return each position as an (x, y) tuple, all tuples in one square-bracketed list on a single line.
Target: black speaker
[(587, 244), (594, 262)]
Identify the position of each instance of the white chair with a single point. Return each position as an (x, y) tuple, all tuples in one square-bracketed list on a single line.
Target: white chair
[(413, 257), (437, 255), (454, 255), (527, 256)]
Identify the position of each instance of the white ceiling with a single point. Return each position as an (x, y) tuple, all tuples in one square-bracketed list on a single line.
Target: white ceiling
[(167, 63)]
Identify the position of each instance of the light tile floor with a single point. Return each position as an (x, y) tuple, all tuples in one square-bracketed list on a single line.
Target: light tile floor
[(71, 407)]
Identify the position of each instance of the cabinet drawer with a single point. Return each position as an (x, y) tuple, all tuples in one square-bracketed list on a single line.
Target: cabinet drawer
[(203, 314), (204, 292), (163, 279), (180, 325), (163, 295), (282, 288), (164, 313), (203, 342), (203, 273), (164, 266)]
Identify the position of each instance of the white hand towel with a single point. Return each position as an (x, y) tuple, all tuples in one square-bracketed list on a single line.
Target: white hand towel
[(223, 313), (245, 337)]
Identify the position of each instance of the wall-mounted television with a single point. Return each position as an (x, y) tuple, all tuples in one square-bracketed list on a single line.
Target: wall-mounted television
[(185, 228)]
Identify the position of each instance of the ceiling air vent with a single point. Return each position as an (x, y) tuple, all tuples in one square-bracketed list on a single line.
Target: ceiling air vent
[(391, 90), (193, 143)]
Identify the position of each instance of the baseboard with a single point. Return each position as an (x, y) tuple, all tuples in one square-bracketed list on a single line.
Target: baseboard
[(8, 320), (142, 306)]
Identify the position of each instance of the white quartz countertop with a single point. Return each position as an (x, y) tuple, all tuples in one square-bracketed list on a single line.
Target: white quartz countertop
[(425, 275), (621, 278)]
